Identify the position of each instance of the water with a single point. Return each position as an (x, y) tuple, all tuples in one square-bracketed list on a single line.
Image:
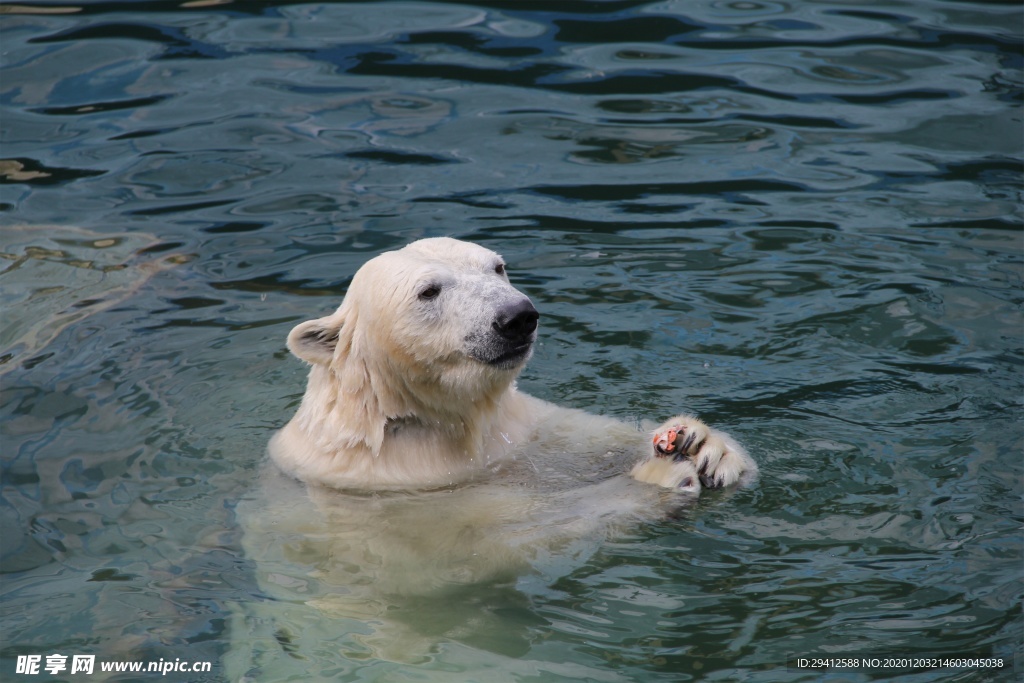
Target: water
[(800, 220)]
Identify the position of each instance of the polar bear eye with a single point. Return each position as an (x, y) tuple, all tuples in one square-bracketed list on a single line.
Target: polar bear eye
[(500, 269), (430, 292)]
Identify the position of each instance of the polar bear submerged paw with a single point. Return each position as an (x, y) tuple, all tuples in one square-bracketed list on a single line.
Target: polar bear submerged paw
[(688, 455)]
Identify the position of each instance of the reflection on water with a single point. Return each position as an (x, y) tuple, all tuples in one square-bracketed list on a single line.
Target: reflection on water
[(800, 220), (66, 274)]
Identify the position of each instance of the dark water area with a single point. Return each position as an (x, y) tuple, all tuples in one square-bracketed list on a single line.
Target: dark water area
[(801, 221)]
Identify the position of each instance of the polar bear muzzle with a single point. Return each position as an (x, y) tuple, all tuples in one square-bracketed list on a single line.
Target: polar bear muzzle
[(509, 342)]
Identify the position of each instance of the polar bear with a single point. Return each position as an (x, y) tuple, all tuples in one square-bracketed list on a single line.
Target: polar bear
[(416, 491), (412, 385)]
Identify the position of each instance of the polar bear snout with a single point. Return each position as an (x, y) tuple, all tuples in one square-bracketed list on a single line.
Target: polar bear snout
[(516, 322), (508, 342)]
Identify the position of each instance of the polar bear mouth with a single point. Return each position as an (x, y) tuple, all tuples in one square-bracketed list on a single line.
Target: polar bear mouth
[(500, 354), (512, 357)]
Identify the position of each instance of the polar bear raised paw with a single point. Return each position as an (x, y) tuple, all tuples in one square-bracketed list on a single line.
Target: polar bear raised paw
[(687, 454)]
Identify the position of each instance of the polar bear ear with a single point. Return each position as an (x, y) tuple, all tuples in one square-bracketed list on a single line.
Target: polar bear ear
[(314, 340)]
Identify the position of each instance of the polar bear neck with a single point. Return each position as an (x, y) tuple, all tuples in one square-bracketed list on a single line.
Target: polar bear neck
[(354, 432)]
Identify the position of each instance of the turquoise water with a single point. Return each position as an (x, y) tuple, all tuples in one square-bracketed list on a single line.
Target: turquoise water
[(799, 220)]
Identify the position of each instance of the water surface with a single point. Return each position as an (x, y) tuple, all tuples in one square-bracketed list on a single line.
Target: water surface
[(799, 220)]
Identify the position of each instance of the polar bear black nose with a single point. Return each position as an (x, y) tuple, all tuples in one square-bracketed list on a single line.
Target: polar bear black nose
[(516, 321)]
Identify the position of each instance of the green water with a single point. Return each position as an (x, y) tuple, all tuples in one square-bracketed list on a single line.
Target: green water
[(799, 220)]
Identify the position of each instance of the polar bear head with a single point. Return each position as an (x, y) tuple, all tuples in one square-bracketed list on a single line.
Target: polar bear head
[(432, 332)]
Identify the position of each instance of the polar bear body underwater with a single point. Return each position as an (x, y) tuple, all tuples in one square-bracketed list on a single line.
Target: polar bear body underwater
[(414, 467)]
